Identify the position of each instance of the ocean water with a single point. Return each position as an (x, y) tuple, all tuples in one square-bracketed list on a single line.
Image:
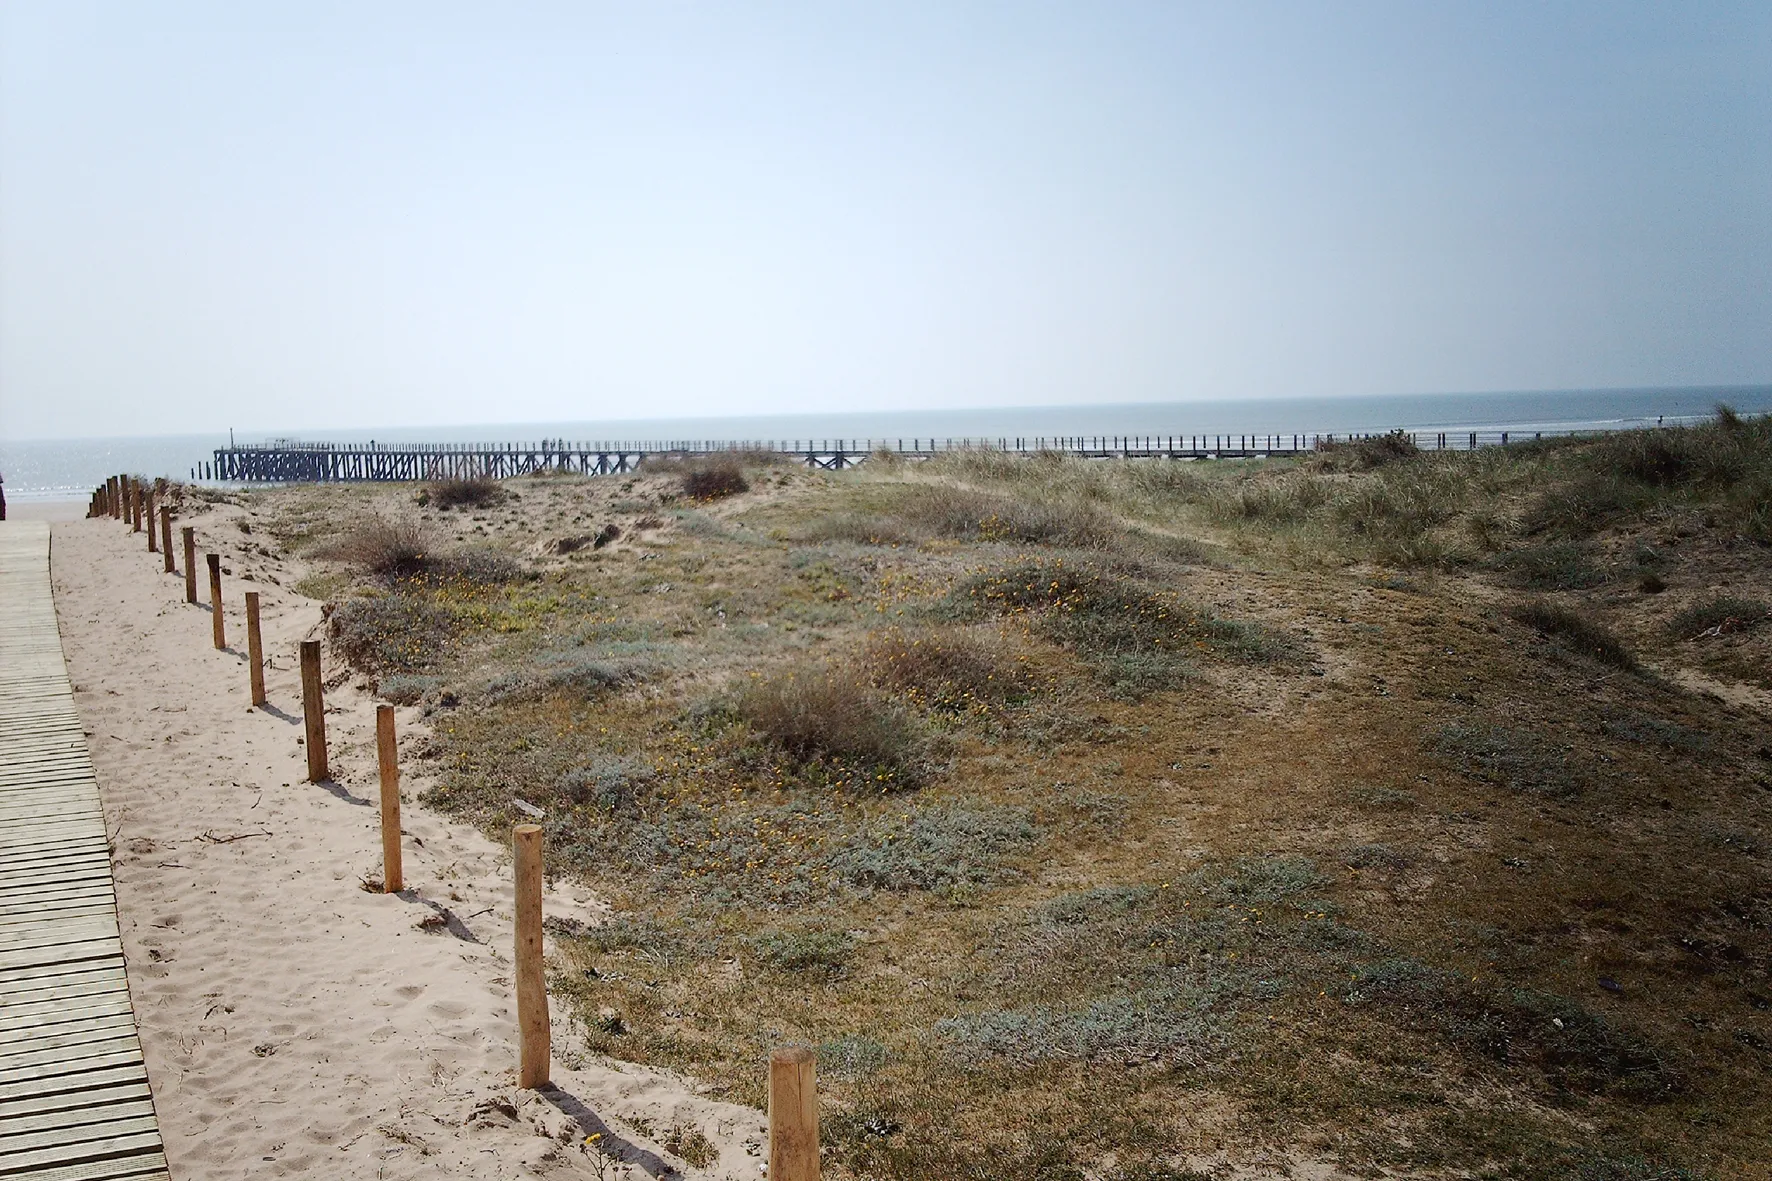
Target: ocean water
[(70, 468)]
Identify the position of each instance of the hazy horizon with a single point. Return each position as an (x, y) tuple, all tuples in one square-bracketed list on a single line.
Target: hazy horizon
[(332, 217)]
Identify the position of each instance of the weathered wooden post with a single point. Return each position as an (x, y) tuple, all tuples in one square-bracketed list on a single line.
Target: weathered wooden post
[(388, 755), (532, 987), (313, 710), (215, 600), (255, 650), (793, 1115), (166, 536), (190, 536), (153, 533), (135, 505), (114, 497)]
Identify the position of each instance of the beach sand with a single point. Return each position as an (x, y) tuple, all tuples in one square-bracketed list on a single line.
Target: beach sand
[(293, 1023)]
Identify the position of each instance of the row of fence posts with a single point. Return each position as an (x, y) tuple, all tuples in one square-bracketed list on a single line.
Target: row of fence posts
[(793, 1087)]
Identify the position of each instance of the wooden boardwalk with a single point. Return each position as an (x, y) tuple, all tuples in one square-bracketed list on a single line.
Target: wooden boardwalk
[(74, 1099)]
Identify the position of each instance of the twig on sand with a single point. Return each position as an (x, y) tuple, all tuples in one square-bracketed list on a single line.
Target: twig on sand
[(209, 836)]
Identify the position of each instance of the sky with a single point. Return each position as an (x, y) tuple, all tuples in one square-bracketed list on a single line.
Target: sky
[(307, 215)]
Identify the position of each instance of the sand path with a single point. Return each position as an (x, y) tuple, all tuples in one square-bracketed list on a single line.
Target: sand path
[(293, 1024)]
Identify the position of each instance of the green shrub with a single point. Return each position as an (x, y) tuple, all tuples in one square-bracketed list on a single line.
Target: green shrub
[(1632, 1168), (1136, 637), (407, 688), (570, 670), (851, 1056), (1575, 631), (943, 848), (1551, 567), (1641, 728), (474, 566), (1516, 759), (1174, 1023), (391, 633), (610, 783), (803, 949)]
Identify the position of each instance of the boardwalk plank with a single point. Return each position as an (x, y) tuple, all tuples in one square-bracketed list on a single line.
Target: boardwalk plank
[(75, 1104)]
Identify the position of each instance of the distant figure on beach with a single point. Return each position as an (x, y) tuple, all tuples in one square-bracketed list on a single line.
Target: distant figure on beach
[(2, 496), (1658, 419)]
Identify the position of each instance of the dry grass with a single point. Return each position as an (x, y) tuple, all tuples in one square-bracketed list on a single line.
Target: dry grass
[(462, 492), (1283, 853), (382, 546), (714, 479), (1576, 631), (834, 718)]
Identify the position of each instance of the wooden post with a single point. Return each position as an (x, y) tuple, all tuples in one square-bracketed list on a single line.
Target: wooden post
[(135, 505), (313, 710), (217, 624), (255, 650), (190, 536), (532, 987), (166, 536), (793, 1115), (388, 755), (153, 533)]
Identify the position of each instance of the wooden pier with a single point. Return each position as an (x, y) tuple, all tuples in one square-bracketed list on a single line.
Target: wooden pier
[(74, 1098), (295, 462)]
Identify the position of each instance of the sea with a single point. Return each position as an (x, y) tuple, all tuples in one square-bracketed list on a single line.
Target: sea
[(59, 469)]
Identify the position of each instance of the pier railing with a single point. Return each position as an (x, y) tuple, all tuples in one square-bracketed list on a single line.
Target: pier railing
[(299, 462)]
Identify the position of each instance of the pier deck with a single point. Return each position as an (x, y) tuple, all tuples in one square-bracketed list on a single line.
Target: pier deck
[(300, 462), (74, 1098)]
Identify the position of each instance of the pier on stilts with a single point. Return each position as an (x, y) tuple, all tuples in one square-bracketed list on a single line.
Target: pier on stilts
[(287, 461)]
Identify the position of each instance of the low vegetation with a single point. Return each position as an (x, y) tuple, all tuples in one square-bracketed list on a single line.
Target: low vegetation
[(1398, 812), (462, 492)]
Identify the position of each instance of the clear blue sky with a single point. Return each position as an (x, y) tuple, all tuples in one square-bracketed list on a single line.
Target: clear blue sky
[(318, 214)]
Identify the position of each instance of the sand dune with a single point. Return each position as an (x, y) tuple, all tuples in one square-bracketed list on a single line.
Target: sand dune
[(295, 1024)]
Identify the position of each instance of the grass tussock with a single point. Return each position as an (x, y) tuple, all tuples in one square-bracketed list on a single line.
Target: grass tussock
[(1575, 631), (832, 716), (1138, 638), (1363, 455), (577, 672), (945, 669), (714, 479), (462, 492), (383, 547), (1722, 615), (401, 551)]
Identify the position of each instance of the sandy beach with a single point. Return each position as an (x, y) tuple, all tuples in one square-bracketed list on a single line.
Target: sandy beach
[(294, 1023)]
